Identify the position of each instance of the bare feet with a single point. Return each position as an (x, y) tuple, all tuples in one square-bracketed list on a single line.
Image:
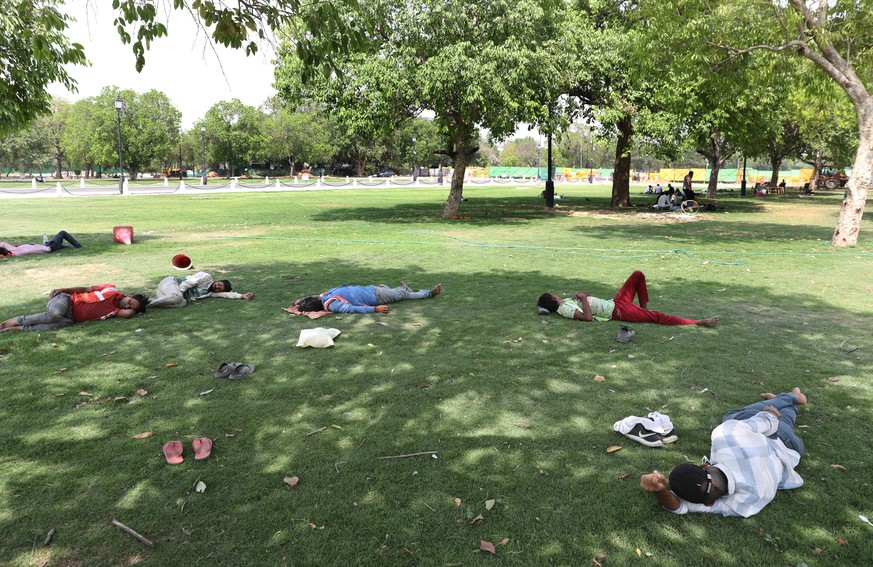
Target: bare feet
[(711, 322), (437, 289), (799, 396)]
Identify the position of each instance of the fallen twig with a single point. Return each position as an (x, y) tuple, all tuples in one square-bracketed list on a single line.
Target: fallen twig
[(428, 505), (314, 431), (848, 350), (132, 532), (48, 537), (410, 455)]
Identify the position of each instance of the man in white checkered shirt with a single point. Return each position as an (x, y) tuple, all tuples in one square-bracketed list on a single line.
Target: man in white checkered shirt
[(754, 453)]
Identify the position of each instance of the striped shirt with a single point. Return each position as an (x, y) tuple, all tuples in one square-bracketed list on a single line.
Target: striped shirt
[(755, 464)]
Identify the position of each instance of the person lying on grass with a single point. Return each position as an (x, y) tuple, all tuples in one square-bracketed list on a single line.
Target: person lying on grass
[(584, 307), (754, 454), (363, 298), (177, 292), (77, 305), (49, 245)]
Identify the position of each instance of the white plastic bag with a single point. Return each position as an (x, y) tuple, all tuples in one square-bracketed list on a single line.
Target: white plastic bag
[(317, 338)]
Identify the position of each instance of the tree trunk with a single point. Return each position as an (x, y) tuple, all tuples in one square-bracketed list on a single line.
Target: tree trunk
[(849, 223), (775, 162), (621, 178), (359, 163), (59, 157), (453, 203)]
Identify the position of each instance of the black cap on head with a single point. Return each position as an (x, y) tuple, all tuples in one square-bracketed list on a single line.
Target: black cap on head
[(690, 482)]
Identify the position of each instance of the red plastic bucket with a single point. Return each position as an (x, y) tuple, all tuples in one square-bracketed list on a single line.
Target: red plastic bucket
[(182, 262)]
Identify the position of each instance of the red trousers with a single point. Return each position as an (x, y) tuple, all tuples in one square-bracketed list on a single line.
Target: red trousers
[(626, 310)]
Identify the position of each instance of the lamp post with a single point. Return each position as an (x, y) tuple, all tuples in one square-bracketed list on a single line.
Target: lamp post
[(180, 154), (550, 184), (203, 144), (440, 177), (119, 104), (414, 159)]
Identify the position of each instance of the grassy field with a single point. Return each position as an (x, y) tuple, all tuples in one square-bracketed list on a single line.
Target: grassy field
[(506, 398)]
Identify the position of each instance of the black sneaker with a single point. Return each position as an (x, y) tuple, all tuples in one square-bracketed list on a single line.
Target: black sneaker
[(642, 435), (670, 436)]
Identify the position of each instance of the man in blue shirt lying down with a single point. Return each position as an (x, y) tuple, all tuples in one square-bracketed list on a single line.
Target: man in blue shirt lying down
[(363, 298)]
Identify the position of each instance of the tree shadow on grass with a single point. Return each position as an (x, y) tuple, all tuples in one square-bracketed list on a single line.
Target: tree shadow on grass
[(506, 399)]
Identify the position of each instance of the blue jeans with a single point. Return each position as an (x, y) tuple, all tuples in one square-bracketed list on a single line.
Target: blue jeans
[(57, 242), (787, 406), (385, 294), (58, 314)]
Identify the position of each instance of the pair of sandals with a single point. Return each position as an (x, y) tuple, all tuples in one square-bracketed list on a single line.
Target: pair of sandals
[(234, 370), (173, 450)]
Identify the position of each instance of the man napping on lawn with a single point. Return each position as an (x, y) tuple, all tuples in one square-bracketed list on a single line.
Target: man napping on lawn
[(78, 304), (362, 298), (177, 292)]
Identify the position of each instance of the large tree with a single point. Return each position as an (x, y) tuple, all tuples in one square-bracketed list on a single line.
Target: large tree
[(33, 53), (295, 137), (474, 64), (836, 35), (235, 132)]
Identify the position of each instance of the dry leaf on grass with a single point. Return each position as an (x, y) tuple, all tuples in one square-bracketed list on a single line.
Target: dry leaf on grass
[(315, 526), (623, 476), (522, 424), (504, 541), (477, 520), (613, 448), (842, 541), (291, 480), (207, 392), (382, 323), (599, 378), (457, 502), (85, 394), (639, 553), (143, 435), (514, 341), (200, 486), (487, 546), (838, 467), (833, 378), (171, 364), (489, 504)]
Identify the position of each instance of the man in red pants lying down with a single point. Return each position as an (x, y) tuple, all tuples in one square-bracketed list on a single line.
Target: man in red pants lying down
[(584, 307)]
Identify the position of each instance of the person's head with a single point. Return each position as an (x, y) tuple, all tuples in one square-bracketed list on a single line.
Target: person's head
[(693, 483), (220, 286), (690, 174), (136, 302), (548, 302), (4, 251), (311, 303)]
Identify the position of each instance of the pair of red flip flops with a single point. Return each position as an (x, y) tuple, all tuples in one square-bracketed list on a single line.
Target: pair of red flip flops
[(173, 450)]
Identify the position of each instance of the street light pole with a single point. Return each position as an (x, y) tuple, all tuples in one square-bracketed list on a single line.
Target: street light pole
[(550, 184), (414, 159), (119, 104), (203, 143), (180, 154)]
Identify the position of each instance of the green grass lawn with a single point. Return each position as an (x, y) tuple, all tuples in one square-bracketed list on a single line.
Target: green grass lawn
[(505, 397)]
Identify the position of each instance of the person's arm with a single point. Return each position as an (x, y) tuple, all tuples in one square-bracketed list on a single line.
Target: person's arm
[(233, 295), (337, 306), (656, 483), (71, 290), (126, 313), (585, 315)]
